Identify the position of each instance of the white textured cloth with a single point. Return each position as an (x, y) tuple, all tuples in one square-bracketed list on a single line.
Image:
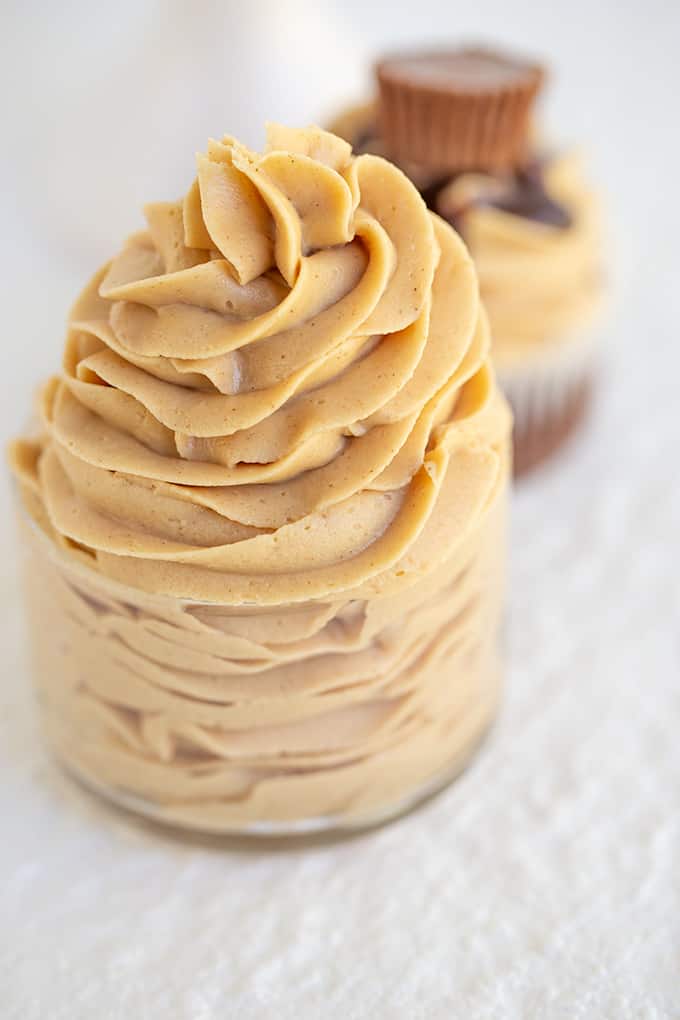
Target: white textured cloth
[(546, 882)]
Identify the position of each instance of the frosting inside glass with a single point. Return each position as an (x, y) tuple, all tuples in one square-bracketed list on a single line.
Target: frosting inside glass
[(270, 479)]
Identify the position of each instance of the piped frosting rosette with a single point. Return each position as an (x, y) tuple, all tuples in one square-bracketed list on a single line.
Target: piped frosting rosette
[(267, 392), (277, 423)]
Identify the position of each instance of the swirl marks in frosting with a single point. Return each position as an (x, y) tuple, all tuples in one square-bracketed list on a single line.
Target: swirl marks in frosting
[(274, 463), (227, 421)]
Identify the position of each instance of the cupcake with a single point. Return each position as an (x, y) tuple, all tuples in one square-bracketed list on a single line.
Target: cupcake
[(264, 513), (459, 123)]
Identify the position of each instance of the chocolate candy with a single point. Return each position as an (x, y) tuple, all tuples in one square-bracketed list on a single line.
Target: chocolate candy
[(457, 110)]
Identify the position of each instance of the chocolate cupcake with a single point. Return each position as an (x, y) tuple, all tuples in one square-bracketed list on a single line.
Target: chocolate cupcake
[(459, 124)]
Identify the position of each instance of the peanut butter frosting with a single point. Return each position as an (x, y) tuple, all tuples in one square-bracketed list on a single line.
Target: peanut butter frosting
[(267, 497), (541, 283)]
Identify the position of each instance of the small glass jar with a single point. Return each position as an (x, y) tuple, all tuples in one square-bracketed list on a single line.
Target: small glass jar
[(238, 720)]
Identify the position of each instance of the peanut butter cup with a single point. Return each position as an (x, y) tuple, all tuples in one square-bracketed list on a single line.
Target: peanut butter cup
[(455, 110), (459, 123)]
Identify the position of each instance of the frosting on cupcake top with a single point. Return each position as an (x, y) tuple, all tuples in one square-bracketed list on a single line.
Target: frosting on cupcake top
[(537, 251), (272, 389)]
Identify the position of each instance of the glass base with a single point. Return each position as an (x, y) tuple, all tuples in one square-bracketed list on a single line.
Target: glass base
[(332, 827), (147, 700)]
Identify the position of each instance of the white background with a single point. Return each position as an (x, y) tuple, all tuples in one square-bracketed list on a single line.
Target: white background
[(545, 883)]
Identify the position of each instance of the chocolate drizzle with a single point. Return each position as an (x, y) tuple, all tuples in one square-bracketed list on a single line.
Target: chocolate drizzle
[(528, 197), (523, 193)]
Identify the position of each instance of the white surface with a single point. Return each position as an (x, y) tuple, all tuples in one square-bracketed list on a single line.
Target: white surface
[(545, 884)]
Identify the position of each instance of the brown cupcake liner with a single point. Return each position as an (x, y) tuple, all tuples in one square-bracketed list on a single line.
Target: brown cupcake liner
[(450, 129), (549, 406), (540, 438)]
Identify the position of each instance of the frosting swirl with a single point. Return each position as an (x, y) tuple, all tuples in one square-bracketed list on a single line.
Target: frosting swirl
[(541, 283), (265, 392), (276, 401)]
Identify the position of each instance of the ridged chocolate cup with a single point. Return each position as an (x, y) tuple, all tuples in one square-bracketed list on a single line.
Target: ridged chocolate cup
[(465, 109)]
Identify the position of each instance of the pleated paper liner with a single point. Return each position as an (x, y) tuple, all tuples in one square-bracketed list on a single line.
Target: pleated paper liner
[(550, 399)]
